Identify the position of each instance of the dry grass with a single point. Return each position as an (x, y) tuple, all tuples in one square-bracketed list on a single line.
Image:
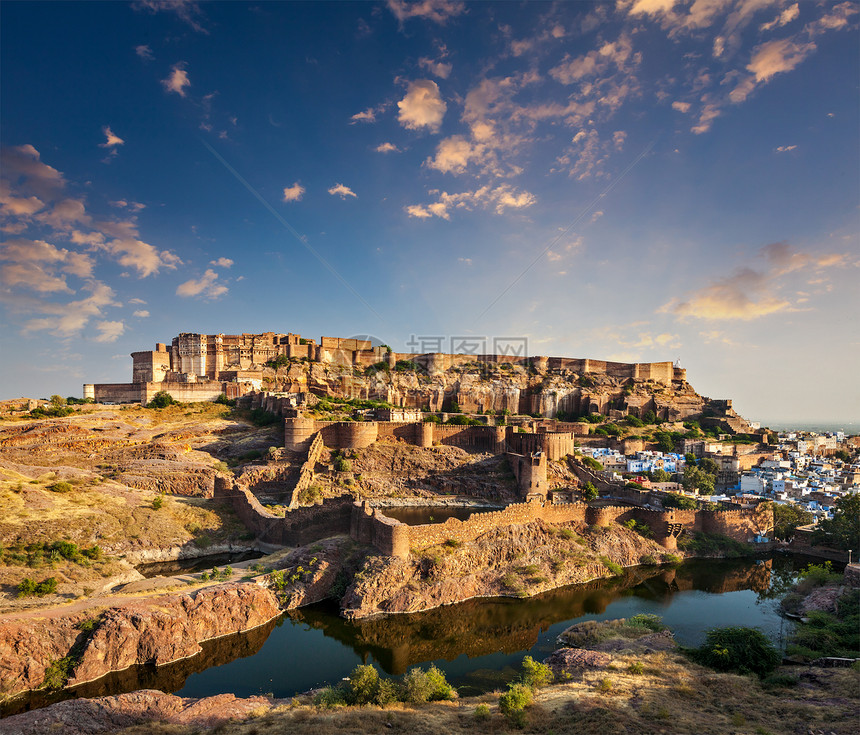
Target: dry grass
[(672, 696)]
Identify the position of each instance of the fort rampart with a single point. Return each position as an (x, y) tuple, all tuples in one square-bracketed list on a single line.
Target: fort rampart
[(298, 433), (371, 526)]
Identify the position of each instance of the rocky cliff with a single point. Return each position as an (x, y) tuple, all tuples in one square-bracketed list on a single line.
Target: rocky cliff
[(155, 631), (482, 387), (515, 561)]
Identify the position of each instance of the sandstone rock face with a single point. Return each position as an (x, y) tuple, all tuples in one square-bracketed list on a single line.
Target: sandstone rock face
[(110, 714), (28, 647), (155, 631), (172, 628), (516, 561), (496, 388)]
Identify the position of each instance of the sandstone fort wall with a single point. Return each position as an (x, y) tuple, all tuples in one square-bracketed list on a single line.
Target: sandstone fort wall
[(397, 539)]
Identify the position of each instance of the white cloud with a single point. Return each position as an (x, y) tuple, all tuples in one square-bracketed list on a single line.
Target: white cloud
[(785, 17), (681, 106), (439, 11), (206, 286), (177, 80), (222, 263), (112, 140), (136, 301), (454, 154), (776, 57), (651, 7), (188, 11), (752, 293), (68, 319), (387, 148), (109, 331), (144, 52), (293, 193), (141, 313), (785, 148), (368, 116), (422, 107), (499, 199), (439, 68), (146, 259), (342, 191)]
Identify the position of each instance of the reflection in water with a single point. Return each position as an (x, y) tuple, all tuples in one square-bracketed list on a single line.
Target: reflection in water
[(481, 627), (197, 564), (477, 643), (168, 678)]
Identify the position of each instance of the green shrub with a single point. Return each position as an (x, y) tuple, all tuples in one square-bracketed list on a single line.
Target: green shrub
[(636, 668), (330, 697), (162, 399), (310, 495), (745, 650), (29, 588), (535, 674), (363, 685), (386, 693), (426, 686), (158, 501), (611, 565), (61, 487), (482, 713), (673, 500), (512, 703)]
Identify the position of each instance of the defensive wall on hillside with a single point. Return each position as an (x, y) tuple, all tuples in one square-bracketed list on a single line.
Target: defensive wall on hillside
[(371, 526), (299, 432)]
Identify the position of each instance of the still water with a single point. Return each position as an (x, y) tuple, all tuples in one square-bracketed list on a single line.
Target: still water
[(479, 644)]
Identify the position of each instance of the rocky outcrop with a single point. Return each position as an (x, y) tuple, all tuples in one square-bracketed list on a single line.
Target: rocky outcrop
[(515, 561), (155, 631), (110, 714), (478, 387)]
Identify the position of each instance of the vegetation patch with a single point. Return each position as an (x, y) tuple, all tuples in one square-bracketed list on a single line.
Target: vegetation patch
[(592, 632), (698, 543), (739, 649)]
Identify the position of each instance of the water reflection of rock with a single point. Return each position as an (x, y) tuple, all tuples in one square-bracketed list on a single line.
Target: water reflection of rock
[(168, 678), (482, 627)]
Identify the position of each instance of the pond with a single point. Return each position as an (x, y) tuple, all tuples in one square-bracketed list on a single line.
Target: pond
[(196, 564), (479, 644)]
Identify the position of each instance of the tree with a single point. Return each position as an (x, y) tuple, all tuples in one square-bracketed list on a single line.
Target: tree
[(665, 441), (843, 530), (659, 475), (696, 479), (706, 464), (162, 399), (737, 649), (673, 500), (57, 401), (786, 519), (589, 491)]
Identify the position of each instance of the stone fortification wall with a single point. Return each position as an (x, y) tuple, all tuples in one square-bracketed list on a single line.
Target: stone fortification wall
[(397, 539), (298, 527), (118, 392), (306, 473)]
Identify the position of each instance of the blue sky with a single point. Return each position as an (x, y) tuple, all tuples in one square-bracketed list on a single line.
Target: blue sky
[(635, 180)]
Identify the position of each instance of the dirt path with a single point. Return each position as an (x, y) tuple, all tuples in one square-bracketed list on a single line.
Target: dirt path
[(144, 589)]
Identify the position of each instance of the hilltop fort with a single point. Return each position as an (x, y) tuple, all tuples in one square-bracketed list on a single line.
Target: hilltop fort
[(200, 367)]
